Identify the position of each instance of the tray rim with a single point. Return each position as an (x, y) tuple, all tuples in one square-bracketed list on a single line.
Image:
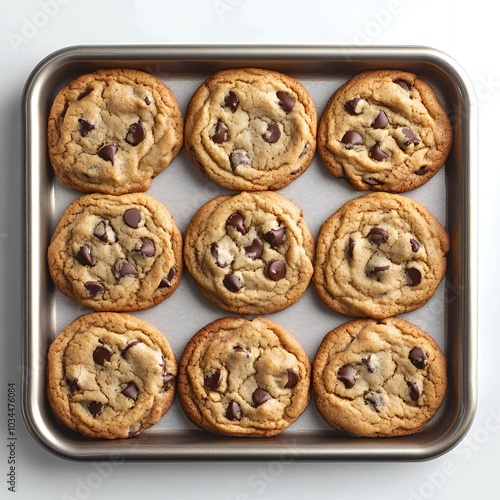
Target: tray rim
[(250, 451)]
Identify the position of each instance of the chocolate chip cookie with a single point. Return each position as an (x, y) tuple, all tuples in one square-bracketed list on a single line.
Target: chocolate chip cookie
[(110, 375), (116, 253), (251, 129), (379, 378), (384, 131), (250, 253), (244, 378), (380, 255), (113, 131)]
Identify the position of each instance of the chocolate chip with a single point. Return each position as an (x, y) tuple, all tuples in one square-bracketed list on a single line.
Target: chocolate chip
[(404, 84), (381, 121), (101, 354), (233, 411), (237, 221), (379, 269), (108, 153), (147, 100), (377, 154), (168, 380), (414, 391), (84, 256), (221, 133), (411, 138), (85, 127), (85, 93), (94, 288), (304, 152), (239, 157), (272, 134), (147, 247), (350, 106), (95, 408), (73, 384), (232, 283), (237, 348), (351, 139), (129, 346), (375, 400), (418, 357), (104, 232), (287, 102), (260, 396), (131, 391), (254, 250), (346, 376), (378, 235), (213, 380), (167, 281), (135, 134), (231, 101), (123, 268), (368, 363), (350, 247), (132, 218), (293, 378), (276, 270), (414, 276), (275, 236), (421, 171), (372, 182), (414, 245)]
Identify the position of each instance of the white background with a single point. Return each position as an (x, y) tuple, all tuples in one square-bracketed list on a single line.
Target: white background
[(468, 31)]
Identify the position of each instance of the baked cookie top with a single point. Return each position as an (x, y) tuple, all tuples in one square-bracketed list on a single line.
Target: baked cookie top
[(380, 255), (116, 253), (113, 131), (251, 129), (385, 131), (244, 378), (379, 378), (250, 253), (110, 375)]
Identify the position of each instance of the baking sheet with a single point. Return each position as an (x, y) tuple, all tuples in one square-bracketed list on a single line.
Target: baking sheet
[(450, 317)]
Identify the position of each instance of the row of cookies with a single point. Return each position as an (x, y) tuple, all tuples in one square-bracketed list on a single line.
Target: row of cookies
[(112, 375), (246, 129), (378, 256)]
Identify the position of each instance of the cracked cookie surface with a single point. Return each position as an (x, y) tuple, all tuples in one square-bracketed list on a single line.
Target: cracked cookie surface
[(116, 253), (251, 129), (250, 253), (384, 131), (380, 255), (113, 131), (110, 375), (244, 378), (379, 378)]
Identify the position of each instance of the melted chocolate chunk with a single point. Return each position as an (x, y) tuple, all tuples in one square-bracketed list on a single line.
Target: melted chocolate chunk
[(272, 134), (94, 288), (372, 182), (346, 376), (276, 270), (239, 157), (231, 101), (147, 101), (377, 154), (293, 378), (351, 139), (131, 391), (260, 396), (254, 250), (350, 247), (414, 391), (287, 102), (108, 153), (233, 411), (232, 283), (132, 218), (213, 380), (168, 380), (147, 247), (404, 84), (418, 357), (379, 269), (411, 138), (237, 221), (381, 121), (350, 106), (414, 276), (129, 346), (135, 134), (221, 133), (421, 171), (378, 235), (95, 408), (167, 281), (85, 93), (275, 236), (374, 399), (85, 127), (368, 363), (104, 231), (84, 256), (414, 245), (73, 385), (124, 268), (100, 355)]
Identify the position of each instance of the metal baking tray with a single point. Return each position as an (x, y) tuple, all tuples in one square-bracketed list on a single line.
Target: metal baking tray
[(450, 317)]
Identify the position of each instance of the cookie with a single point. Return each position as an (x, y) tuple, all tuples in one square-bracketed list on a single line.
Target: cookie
[(380, 255), (113, 131), (110, 375), (250, 253), (384, 131), (244, 378), (251, 129), (378, 378), (116, 253)]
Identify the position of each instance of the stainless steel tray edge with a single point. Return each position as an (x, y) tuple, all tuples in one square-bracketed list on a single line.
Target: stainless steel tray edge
[(38, 194)]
